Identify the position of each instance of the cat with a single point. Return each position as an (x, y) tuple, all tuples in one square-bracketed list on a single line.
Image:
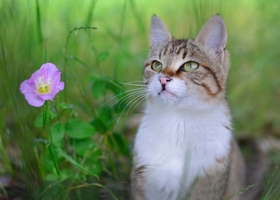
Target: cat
[(184, 147)]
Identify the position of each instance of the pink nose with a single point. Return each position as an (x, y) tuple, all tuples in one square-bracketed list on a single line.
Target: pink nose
[(164, 79)]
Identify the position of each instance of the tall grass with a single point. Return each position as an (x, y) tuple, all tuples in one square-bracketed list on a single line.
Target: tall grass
[(35, 32)]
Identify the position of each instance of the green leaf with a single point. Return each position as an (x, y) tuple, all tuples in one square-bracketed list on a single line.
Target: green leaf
[(115, 87), (102, 56), (63, 154), (78, 129), (105, 120), (51, 177), (71, 160), (38, 122), (57, 131), (98, 88), (65, 173), (81, 146), (90, 153), (106, 116), (119, 143), (93, 165), (63, 105), (52, 114), (99, 125), (48, 163)]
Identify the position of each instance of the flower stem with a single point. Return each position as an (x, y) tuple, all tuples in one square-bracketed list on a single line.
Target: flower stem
[(46, 125)]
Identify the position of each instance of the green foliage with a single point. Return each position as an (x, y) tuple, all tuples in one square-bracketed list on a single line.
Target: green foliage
[(57, 130), (78, 129), (272, 185)]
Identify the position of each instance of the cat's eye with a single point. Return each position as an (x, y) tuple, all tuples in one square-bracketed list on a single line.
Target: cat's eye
[(189, 66), (156, 66)]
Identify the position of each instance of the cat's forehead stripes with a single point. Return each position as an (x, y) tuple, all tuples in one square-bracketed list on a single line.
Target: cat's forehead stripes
[(174, 47), (180, 49)]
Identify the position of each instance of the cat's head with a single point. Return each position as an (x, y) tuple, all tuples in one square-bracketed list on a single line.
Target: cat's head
[(189, 72)]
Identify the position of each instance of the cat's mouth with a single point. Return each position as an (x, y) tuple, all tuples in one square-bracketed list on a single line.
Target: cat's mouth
[(167, 97), (166, 93)]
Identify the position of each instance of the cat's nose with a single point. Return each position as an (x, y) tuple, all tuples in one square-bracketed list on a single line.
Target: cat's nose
[(164, 79)]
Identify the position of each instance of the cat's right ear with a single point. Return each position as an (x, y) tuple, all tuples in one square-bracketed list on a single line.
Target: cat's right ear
[(214, 35), (158, 32)]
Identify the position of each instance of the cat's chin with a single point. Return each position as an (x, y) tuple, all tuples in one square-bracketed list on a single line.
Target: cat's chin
[(167, 98), (167, 95)]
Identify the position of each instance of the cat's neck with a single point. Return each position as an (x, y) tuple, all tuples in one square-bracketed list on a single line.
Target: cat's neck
[(199, 110)]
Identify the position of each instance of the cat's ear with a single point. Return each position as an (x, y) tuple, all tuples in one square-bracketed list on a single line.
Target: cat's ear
[(214, 35), (158, 32)]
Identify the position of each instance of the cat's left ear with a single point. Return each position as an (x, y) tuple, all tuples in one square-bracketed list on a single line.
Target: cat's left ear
[(158, 32), (214, 35)]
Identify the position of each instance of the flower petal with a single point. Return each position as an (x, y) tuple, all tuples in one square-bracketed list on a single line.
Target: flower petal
[(34, 100), (50, 69), (55, 78), (47, 96), (28, 90), (25, 87), (60, 86), (38, 73)]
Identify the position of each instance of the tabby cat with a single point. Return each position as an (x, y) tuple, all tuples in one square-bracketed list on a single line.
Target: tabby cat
[(184, 148)]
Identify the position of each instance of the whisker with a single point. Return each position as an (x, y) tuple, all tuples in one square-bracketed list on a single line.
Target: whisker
[(140, 101), (137, 101), (137, 95), (133, 93), (131, 82), (138, 84), (132, 101), (116, 96), (134, 89)]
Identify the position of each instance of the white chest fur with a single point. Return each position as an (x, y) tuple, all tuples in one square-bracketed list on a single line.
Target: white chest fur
[(177, 147)]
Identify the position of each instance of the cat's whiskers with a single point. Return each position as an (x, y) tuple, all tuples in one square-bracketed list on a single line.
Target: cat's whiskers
[(112, 98), (137, 101), (122, 99), (136, 96), (124, 92), (134, 83), (132, 94), (131, 82)]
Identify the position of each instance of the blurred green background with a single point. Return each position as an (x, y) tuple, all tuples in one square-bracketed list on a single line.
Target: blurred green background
[(33, 32)]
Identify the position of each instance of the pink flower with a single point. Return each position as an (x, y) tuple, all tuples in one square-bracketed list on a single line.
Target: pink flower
[(43, 85)]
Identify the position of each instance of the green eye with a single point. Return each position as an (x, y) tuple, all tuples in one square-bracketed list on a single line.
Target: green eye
[(156, 66), (189, 66)]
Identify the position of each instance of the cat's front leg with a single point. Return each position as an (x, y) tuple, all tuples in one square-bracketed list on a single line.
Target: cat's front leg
[(137, 182), (212, 186)]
